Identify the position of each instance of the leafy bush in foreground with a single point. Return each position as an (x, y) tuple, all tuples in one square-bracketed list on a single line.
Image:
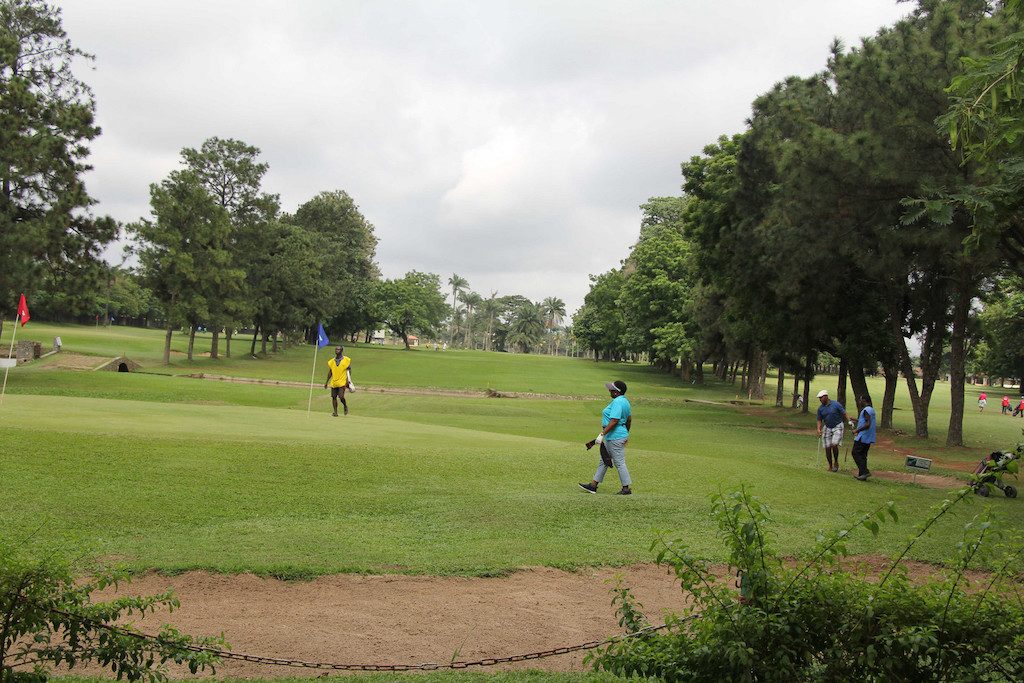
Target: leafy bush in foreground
[(821, 622), (47, 618)]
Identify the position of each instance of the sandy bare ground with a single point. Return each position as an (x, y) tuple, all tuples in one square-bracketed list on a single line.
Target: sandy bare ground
[(412, 620), (405, 620)]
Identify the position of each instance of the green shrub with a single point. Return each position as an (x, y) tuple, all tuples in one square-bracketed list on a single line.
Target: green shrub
[(820, 620), (47, 618)]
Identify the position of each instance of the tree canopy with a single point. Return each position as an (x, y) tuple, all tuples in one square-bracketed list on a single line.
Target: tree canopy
[(48, 238)]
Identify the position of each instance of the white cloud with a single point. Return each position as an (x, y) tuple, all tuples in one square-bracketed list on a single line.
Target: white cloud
[(509, 141)]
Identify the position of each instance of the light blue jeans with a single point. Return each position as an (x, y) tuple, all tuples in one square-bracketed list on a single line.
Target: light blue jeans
[(616, 449)]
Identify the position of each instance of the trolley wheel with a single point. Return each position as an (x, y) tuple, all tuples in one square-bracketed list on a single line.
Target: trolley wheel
[(1010, 491), (983, 491)]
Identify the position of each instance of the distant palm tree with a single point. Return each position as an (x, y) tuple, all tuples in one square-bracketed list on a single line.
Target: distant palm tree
[(527, 328), (491, 307), (458, 284), (558, 335), (554, 312), (471, 300)]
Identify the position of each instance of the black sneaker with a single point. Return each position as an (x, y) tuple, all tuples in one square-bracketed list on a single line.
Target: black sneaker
[(589, 488), (624, 492), (334, 415), (860, 477), (346, 410)]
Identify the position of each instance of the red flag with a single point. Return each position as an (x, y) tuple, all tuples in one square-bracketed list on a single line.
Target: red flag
[(23, 311)]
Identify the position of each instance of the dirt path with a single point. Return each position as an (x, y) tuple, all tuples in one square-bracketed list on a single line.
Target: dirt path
[(412, 620)]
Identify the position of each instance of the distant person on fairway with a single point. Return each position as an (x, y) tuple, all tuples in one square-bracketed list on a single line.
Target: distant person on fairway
[(982, 402), (616, 420), (831, 415), (339, 369), (863, 437), (1006, 404)]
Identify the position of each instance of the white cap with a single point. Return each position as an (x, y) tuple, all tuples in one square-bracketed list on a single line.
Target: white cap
[(822, 393)]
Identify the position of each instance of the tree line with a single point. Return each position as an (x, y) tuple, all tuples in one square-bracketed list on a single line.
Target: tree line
[(842, 221), (216, 251)]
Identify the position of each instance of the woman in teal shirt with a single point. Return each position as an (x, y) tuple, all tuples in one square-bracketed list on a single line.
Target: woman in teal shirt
[(616, 420)]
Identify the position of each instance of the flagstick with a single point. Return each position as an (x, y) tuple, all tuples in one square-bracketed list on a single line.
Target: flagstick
[(312, 375), (8, 369)]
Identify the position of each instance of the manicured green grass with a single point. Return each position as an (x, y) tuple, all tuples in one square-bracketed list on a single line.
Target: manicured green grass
[(175, 473), (169, 472)]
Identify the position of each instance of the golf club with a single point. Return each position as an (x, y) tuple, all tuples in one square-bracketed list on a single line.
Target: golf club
[(817, 458)]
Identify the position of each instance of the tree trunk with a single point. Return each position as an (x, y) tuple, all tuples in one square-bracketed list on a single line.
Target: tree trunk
[(191, 340), (858, 384), (167, 345), (780, 388), (227, 341), (931, 357), (252, 348), (961, 314), (216, 339), (758, 374), (263, 342), (890, 369), (844, 368), (808, 371), (920, 412)]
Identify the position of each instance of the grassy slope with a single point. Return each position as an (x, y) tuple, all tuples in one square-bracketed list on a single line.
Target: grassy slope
[(176, 473)]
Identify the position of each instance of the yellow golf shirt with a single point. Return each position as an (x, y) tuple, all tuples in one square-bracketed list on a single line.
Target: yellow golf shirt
[(339, 371)]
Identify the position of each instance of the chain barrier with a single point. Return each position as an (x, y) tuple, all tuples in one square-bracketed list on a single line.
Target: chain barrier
[(490, 661)]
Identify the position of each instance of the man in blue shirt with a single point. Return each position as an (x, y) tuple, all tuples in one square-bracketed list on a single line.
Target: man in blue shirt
[(831, 416), (616, 420), (863, 437)]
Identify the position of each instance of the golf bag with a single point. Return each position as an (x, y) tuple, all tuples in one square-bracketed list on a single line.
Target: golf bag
[(989, 473), (606, 457)]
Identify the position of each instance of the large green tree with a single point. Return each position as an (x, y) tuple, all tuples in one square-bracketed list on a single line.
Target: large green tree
[(412, 305), (659, 281), (600, 323), (346, 244), (230, 172), (184, 251), (286, 274), (46, 124)]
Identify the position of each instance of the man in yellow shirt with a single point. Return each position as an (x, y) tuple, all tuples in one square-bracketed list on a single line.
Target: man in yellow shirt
[(339, 370)]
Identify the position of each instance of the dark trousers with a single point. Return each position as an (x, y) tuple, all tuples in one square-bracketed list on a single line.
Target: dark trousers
[(860, 456)]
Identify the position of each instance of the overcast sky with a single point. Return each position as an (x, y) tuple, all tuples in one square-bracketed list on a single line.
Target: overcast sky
[(511, 142)]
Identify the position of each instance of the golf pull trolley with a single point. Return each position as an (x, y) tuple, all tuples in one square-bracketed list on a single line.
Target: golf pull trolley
[(989, 473)]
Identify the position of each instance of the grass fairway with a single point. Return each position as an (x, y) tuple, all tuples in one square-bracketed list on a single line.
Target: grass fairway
[(174, 473), (159, 470)]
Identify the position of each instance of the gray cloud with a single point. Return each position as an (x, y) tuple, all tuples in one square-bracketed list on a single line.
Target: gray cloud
[(510, 142)]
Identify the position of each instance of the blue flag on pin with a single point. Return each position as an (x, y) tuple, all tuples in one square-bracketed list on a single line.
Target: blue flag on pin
[(321, 336)]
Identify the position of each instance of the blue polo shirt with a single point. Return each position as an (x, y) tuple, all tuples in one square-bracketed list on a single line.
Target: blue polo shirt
[(867, 417), (618, 409), (832, 414)]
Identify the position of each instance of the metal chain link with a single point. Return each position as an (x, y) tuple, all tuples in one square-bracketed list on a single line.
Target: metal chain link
[(490, 661)]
